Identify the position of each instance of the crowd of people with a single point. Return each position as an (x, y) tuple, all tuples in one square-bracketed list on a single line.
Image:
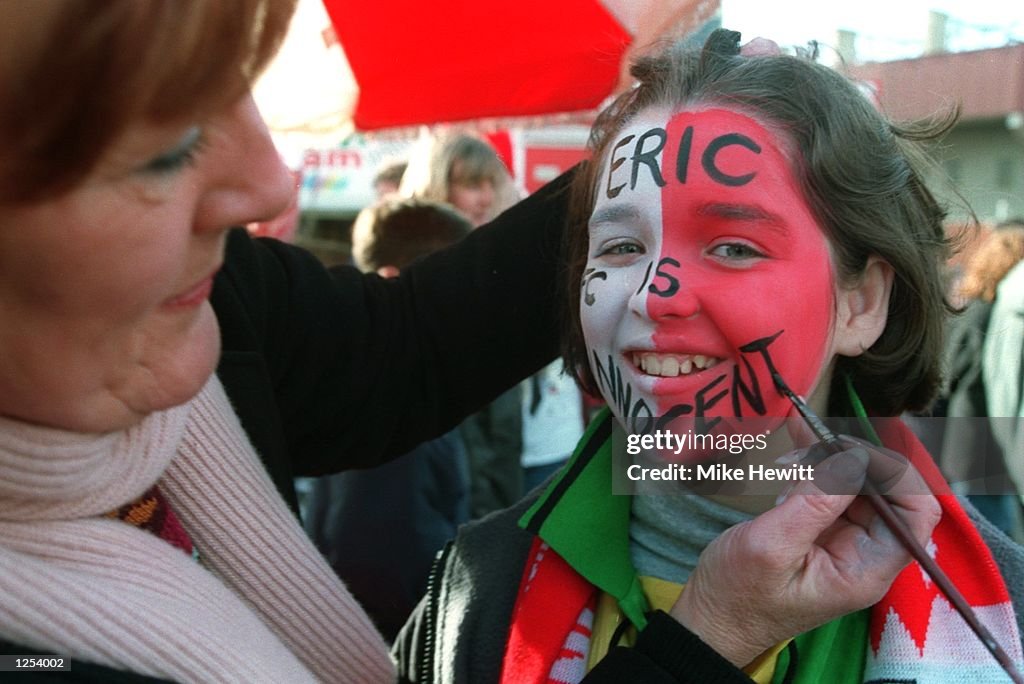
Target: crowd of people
[(166, 377)]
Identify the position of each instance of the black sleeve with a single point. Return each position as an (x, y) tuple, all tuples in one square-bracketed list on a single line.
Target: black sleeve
[(363, 368), (665, 653)]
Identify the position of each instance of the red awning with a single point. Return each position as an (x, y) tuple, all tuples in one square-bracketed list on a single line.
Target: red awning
[(422, 62)]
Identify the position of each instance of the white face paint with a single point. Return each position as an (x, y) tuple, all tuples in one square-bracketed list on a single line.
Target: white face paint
[(705, 270)]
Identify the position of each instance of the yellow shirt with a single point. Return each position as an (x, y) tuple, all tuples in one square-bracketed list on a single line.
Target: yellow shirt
[(661, 595)]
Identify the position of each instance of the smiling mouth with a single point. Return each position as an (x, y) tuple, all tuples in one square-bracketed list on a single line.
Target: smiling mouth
[(672, 365)]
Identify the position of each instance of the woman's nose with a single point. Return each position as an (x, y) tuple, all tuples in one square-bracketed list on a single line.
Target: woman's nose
[(248, 179)]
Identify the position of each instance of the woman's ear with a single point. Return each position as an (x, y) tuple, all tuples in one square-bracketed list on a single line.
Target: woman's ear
[(863, 309)]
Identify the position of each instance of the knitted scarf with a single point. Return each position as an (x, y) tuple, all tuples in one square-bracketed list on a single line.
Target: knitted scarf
[(911, 635), (262, 606)]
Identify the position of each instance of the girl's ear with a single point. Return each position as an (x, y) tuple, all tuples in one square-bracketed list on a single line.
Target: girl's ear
[(863, 309)]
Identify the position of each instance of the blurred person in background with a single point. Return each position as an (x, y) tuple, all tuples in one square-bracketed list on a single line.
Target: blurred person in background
[(380, 528), (462, 170), (553, 422), (971, 458), (388, 178), (1002, 369)]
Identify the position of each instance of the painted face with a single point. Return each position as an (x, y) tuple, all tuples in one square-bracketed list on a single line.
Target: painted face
[(104, 315), (705, 269)]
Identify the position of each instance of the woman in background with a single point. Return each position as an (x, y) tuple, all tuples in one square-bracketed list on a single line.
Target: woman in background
[(462, 170)]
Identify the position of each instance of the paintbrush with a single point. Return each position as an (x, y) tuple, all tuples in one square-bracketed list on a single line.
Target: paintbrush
[(902, 532)]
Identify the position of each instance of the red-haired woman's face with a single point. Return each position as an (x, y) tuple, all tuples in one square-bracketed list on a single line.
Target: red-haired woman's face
[(706, 269), (104, 315)]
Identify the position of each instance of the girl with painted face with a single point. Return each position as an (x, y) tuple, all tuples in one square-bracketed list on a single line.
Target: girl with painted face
[(742, 215)]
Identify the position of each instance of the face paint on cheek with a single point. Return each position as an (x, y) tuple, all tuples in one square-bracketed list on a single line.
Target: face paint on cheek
[(605, 300), (722, 321), (590, 275)]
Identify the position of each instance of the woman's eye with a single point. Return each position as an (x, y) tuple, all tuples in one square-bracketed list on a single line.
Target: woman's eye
[(736, 251), (183, 154)]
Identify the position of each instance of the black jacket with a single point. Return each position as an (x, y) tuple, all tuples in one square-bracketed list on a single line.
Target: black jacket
[(336, 370)]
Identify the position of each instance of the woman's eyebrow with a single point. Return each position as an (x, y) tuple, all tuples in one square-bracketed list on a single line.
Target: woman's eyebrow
[(614, 213)]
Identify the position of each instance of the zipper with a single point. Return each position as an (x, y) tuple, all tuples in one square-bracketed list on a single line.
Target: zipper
[(426, 669)]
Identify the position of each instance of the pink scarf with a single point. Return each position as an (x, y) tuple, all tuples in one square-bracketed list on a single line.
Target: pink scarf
[(261, 606)]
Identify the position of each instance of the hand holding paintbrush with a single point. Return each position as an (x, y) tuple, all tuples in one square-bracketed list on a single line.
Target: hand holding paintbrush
[(809, 560), (903, 533)]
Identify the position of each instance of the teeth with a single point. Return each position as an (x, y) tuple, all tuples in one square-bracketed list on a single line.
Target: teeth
[(672, 365)]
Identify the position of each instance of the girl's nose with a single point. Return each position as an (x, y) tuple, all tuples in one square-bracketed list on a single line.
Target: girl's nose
[(670, 292)]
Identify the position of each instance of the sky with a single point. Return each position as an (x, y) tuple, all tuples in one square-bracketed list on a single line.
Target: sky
[(886, 29)]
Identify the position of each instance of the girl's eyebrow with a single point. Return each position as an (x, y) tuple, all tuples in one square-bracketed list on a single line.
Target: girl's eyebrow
[(743, 212), (614, 213)]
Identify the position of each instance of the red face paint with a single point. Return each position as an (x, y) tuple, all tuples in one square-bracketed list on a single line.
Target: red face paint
[(711, 268)]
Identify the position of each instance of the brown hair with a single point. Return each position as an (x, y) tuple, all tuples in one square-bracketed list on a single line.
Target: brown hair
[(859, 173), (390, 173), (430, 172), (394, 232), (85, 70), (999, 251)]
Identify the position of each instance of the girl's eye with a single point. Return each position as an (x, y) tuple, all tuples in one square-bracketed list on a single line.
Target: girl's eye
[(736, 251), (184, 154), (622, 249)]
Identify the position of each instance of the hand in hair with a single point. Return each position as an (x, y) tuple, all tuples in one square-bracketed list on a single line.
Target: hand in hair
[(760, 47)]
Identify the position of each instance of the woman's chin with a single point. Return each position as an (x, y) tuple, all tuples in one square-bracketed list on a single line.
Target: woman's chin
[(181, 369), (170, 374)]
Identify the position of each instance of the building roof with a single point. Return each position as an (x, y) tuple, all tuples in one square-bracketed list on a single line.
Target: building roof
[(986, 83)]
